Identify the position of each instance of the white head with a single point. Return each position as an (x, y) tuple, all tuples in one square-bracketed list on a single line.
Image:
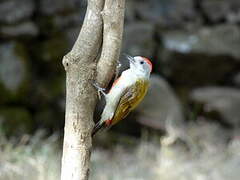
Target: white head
[(140, 65)]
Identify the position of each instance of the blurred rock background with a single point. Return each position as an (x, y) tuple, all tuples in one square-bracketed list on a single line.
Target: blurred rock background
[(194, 94)]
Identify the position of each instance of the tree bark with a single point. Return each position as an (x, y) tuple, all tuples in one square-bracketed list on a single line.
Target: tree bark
[(113, 18), (82, 67)]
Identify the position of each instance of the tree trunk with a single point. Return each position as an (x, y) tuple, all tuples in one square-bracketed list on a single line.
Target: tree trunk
[(82, 68)]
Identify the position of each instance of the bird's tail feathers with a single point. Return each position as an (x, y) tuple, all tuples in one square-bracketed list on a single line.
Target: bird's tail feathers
[(99, 125)]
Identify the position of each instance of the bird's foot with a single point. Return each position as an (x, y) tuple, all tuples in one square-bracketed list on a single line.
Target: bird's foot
[(119, 65), (99, 89)]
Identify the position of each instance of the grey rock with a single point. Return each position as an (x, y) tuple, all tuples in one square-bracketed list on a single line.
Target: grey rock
[(138, 39), (12, 67), (161, 109), (160, 105), (234, 17), (13, 11), (218, 10), (63, 21), (217, 40), (167, 12), (236, 79), (215, 9), (224, 100), (50, 7), (150, 11), (26, 29), (189, 70), (130, 11)]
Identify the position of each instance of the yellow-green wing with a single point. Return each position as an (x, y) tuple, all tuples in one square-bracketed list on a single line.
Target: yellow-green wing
[(130, 99)]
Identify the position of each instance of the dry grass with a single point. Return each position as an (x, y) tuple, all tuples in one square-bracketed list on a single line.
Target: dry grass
[(137, 164), (40, 160), (221, 164)]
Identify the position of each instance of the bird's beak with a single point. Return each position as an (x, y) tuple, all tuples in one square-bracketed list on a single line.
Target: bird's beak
[(130, 58)]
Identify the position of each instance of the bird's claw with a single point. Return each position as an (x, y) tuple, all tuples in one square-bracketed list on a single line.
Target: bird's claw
[(119, 65), (99, 89)]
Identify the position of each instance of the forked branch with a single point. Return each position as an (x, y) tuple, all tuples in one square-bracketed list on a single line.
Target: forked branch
[(81, 69), (113, 19)]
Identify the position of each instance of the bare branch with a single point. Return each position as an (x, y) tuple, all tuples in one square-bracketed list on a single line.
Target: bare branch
[(113, 18), (81, 96), (80, 68), (90, 37)]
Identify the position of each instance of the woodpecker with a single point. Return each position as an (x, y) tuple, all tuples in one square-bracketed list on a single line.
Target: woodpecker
[(126, 92)]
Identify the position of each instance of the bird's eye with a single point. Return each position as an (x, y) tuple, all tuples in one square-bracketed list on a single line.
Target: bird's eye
[(141, 62)]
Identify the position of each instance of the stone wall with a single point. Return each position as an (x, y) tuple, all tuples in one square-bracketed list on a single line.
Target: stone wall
[(194, 45)]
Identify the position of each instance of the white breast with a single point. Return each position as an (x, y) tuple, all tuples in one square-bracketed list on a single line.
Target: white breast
[(112, 98), (127, 79)]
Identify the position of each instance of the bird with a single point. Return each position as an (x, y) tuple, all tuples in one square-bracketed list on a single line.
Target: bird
[(126, 92)]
